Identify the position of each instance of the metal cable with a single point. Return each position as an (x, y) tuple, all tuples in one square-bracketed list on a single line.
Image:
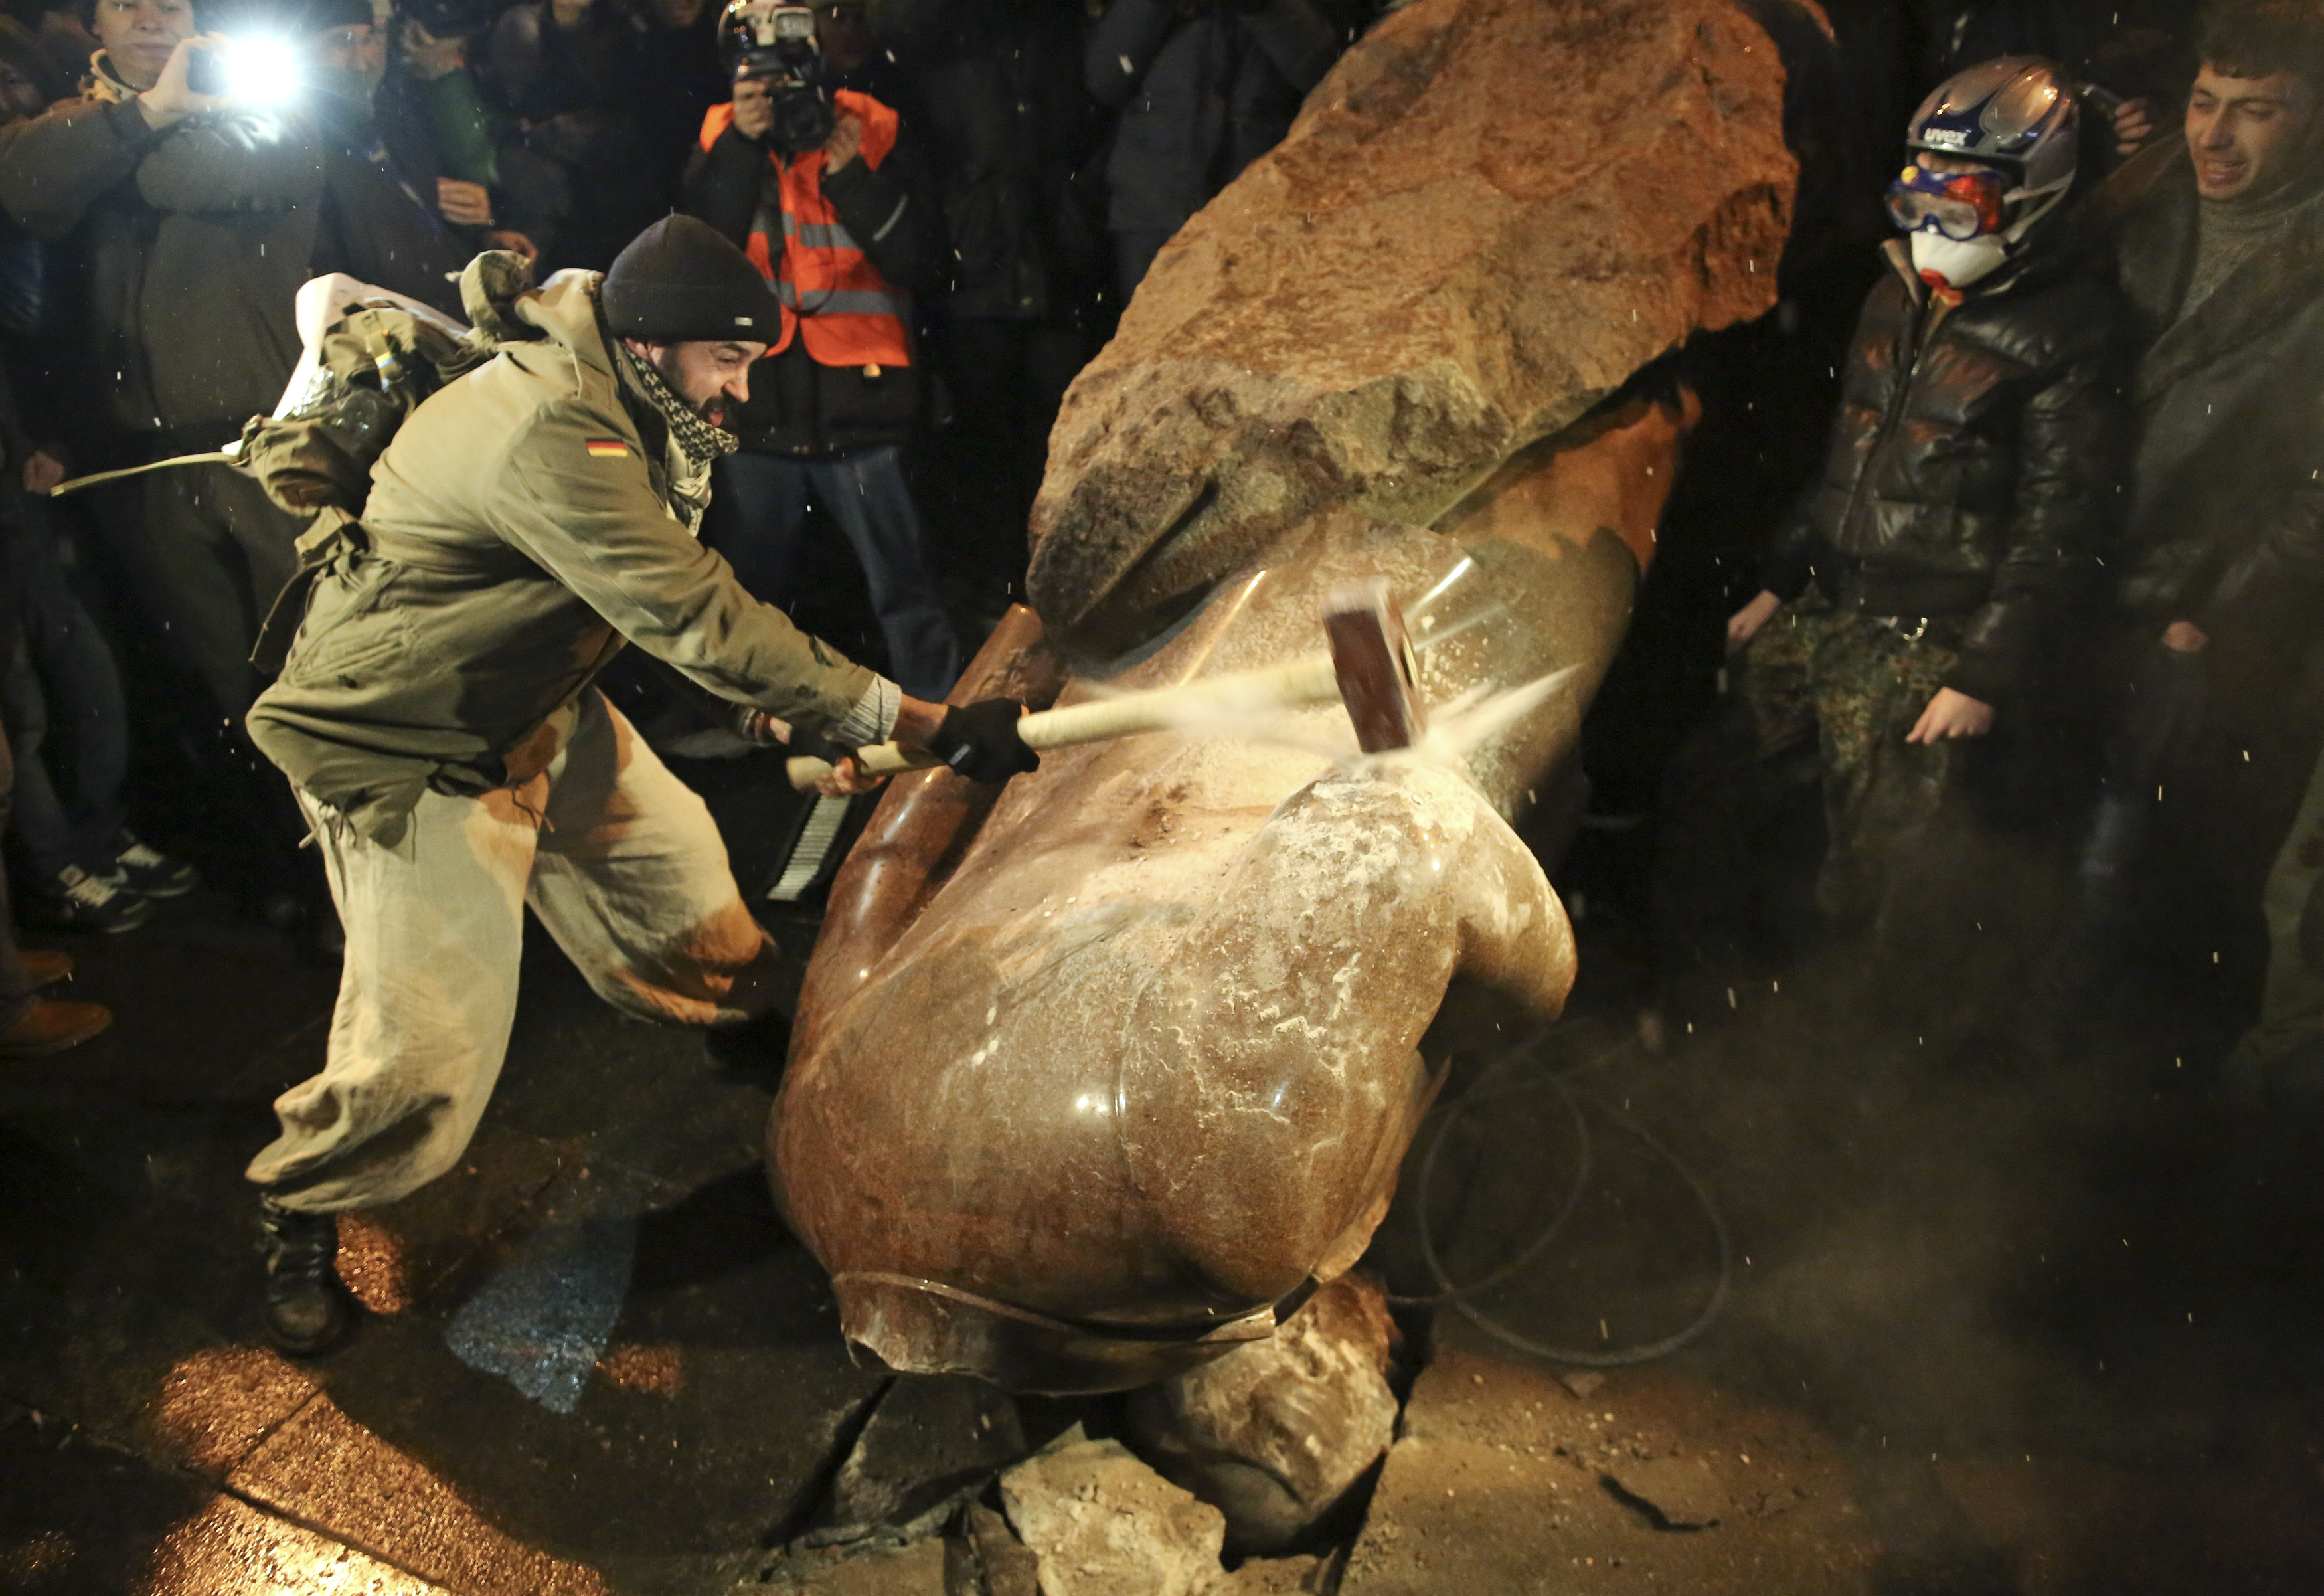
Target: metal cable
[(1458, 1295)]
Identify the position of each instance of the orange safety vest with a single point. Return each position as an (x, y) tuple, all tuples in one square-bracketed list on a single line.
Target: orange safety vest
[(831, 292)]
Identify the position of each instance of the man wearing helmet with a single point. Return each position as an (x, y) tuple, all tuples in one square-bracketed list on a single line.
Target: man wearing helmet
[(2219, 239), (1972, 470)]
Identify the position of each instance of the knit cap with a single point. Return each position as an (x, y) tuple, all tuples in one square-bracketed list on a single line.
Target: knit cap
[(681, 281)]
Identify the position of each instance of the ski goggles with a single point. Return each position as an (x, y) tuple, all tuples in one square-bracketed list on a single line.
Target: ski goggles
[(1957, 205)]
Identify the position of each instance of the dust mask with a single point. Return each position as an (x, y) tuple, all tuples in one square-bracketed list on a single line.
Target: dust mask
[(1959, 260)]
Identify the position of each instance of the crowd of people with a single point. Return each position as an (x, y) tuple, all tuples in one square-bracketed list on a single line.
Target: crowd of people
[(840, 263), (2071, 404), (2065, 542), (985, 182)]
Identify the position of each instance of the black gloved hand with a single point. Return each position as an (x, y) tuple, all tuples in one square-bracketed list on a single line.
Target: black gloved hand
[(980, 741)]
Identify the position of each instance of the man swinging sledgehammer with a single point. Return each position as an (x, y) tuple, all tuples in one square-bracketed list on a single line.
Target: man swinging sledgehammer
[(435, 716)]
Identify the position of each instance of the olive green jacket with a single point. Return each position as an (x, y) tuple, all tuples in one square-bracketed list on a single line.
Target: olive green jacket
[(522, 523)]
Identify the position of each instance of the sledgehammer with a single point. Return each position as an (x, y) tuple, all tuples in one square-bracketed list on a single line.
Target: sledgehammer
[(1369, 669)]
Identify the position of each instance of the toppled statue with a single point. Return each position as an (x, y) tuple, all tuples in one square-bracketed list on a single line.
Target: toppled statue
[(1093, 1079)]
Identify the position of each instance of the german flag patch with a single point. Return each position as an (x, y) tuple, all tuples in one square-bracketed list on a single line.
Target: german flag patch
[(608, 448)]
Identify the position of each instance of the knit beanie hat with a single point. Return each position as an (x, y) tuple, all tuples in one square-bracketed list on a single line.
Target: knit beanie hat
[(681, 282)]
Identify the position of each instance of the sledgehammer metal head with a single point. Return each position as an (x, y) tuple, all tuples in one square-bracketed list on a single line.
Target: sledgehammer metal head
[(1372, 658), (1370, 670)]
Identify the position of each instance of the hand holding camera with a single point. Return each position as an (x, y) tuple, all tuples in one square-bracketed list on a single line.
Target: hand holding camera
[(846, 141), (782, 89), (174, 96), (754, 107)]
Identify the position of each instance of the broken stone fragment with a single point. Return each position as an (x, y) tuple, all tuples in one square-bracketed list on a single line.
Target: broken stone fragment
[(1275, 1432), (1103, 1524), (931, 1437), (1008, 1564), (1670, 1492)]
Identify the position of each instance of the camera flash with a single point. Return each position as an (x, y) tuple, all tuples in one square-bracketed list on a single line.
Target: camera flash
[(261, 71)]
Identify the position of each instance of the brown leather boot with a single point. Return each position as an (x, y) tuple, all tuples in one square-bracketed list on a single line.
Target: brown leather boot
[(51, 1026), (47, 966)]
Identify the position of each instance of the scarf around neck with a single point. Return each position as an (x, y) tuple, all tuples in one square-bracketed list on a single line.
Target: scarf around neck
[(694, 441)]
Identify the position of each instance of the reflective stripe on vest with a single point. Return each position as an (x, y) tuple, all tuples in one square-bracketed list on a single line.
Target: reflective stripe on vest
[(833, 297)]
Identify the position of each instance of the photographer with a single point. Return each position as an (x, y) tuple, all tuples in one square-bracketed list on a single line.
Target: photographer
[(1205, 88), (821, 189), (185, 224)]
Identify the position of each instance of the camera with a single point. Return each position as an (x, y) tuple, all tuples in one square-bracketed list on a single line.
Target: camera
[(762, 42)]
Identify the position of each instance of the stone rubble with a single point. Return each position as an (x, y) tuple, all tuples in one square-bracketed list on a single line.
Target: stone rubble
[(931, 1437), (1275, 1433), (1104, 1524)]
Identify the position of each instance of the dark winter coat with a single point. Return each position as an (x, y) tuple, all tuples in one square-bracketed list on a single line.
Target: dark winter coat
[(186, 247), (1973, 465), (797, 406), (577, 168), (379, 224), (669, 77), (2226, 502), (1008, 127), (1201, 97)]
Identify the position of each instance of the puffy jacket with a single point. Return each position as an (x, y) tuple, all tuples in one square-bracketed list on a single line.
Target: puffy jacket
[(1975, 462), (2225, 525), (1201, 97), (1009, 128), (186, 247), (798, 405)]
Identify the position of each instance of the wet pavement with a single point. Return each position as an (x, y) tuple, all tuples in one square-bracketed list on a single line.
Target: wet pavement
[(1987, 1333)]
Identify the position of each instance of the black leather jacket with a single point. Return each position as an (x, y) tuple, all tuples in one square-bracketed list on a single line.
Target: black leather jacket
[(2226, 522), (1975, 464)]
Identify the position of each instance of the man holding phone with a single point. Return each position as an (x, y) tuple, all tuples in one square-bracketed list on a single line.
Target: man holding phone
[(189, 223)]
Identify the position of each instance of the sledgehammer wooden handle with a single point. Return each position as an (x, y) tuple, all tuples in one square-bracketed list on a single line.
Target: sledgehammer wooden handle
[(1310, 680)]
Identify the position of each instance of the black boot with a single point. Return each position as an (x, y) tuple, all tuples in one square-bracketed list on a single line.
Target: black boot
[(754, 1051), (306, 1309)]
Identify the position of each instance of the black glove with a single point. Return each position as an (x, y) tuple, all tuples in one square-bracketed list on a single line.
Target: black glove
[(980, 741)]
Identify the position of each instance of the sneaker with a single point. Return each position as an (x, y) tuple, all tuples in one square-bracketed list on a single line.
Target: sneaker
[(147, 871), (75, 900), (306, 1306), (50, 1025)]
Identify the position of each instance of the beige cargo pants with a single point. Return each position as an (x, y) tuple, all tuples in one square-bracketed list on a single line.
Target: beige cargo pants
[(624, 865)]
